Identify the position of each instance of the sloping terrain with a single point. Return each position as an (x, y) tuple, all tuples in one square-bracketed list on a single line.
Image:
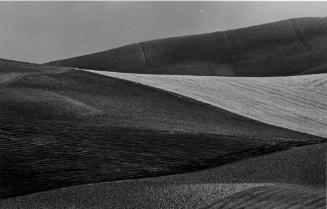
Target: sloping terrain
[(112, 136), (44, 155), (238, 52), (119, 103), (306, 63), (277, 197), (57, 121), (205, 189), (297, 103)]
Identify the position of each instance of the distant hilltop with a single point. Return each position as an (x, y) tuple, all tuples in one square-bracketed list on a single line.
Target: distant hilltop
[(216, 53)]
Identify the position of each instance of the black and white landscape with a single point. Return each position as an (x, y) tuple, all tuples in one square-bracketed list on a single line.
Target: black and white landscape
[(227, 119)]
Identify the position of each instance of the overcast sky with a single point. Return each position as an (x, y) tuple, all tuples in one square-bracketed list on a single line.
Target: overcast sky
[(44, 31)]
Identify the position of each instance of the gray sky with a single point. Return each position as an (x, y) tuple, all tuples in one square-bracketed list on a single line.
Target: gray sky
[(44, 31)]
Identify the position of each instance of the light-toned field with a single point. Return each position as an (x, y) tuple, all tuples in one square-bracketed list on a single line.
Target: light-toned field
[(151, 134), (120, 129), (297, 102)]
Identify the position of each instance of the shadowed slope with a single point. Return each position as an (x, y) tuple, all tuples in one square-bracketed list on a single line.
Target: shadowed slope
[(38, 156), (220, 53), (297, 103), (307, 63), (62, 127), (301, 166), (315, 70), (122, 104), (77, 118)]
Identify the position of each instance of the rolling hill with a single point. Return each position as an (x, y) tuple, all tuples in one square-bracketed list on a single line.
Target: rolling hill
[(238, 52), (55, 121), (296, 103), (117, 102), (202, 121), (290, 173)]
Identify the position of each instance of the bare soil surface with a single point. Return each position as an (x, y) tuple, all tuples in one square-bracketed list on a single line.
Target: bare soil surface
[(295, 102), (276, 196), (287, 170), (43, 155), (82, 139)]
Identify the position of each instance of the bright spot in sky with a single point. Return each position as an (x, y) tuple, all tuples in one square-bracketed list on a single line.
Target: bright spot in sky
[(201, 10)]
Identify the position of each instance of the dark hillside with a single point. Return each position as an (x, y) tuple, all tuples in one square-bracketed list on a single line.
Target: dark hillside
[(87, 97), (213, 50), (43, 155), (203, 189), (62, 127), (306, 63)]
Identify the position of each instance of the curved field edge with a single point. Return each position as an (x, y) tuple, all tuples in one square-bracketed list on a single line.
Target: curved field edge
[(118, 102), (43, 155), (300, 166), (297, 103), (218, 53), (43, 114)]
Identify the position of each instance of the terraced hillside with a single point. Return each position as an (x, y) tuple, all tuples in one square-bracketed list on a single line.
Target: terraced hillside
[(220, 53)]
